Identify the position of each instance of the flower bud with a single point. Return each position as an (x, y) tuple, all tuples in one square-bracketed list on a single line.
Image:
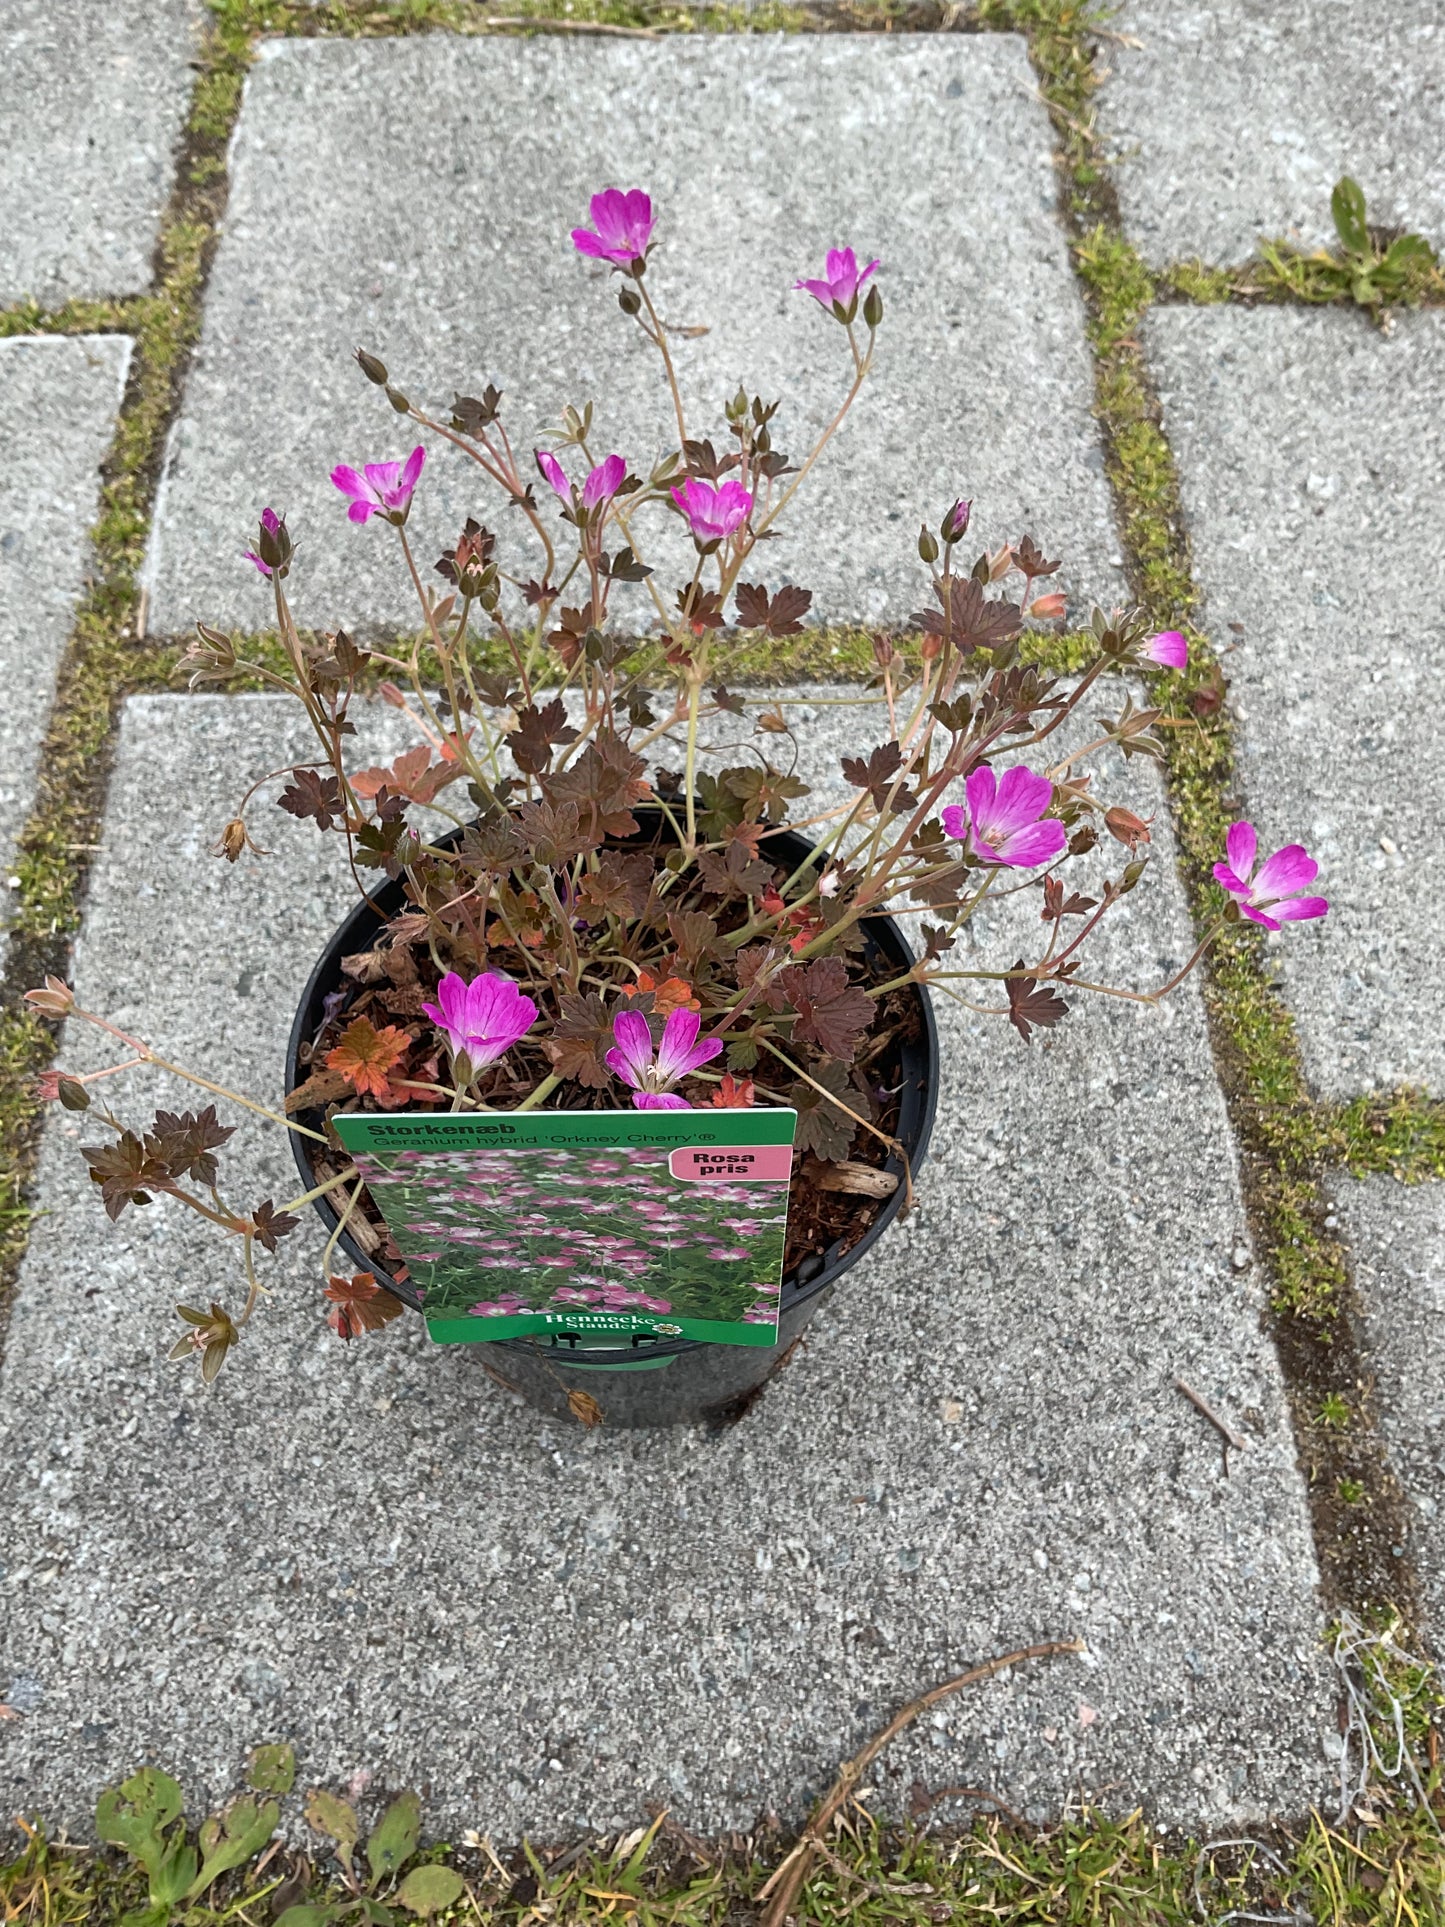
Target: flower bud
[(273, 543), (927, 545), (398, 400), (373, 369), (1044, 608), (72, 1093), (873, 306), (954, 525), (629, 300), (1126, 828)]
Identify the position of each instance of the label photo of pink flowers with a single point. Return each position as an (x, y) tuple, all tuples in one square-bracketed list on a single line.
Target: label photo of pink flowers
[(506, 1241)]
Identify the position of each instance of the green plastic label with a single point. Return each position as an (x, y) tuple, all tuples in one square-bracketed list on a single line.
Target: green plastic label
[(589, 1224)]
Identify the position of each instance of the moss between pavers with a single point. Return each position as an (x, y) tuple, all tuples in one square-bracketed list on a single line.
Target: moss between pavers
[(1288, 1141)]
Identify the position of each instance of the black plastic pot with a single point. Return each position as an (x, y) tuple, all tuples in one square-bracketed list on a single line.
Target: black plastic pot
[(650, 1381)]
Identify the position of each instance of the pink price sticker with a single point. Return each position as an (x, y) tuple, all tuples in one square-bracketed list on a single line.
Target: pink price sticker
[(733, 1164)]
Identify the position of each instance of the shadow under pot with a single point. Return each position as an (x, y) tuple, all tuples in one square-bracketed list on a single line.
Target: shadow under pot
[(642, 1380)]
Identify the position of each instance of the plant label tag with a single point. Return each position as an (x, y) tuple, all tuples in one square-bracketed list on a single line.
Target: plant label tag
[(594, 1225)]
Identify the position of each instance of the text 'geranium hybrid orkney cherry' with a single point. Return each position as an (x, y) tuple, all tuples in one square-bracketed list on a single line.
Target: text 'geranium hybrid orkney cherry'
[(679, 1052), (621, 229), (384, 489), (1273, 896), (483, 1018), (1002, 825)]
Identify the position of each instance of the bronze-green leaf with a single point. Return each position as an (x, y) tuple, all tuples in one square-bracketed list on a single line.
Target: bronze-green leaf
[(273, 1768), (393, 1839), (428, 1890)]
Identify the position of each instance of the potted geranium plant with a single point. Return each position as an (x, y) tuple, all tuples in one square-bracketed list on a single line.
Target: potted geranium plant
[(567, 907)]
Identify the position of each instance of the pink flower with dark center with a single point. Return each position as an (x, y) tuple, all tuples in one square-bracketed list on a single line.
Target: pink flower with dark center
[(842, 279), (1002, 825), (1273, 896), (1168, 649), (484, 1018), (273, 545), (679, 1053), (713, 513), (385, 488), (621, 227)]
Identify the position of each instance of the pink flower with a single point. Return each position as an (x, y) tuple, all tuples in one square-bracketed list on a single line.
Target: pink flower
[(553, 473), (1273, 897), (385, 488), (838, 290), (1168, 649), (1003, 818), (570, 1295), (621, 228), (599, 488), (604, 481), (273, 545), (484, 1018), (712, 513), (677, 1055), (723, 1254), (955, 523)]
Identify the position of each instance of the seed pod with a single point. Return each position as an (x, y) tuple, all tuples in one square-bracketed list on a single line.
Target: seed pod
[(927, 544), (629, 300), (873, 306), (398, 400), (72, 1093), (373, 369)]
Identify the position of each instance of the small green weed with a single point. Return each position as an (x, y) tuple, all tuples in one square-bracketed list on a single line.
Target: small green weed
[(1374, 268)]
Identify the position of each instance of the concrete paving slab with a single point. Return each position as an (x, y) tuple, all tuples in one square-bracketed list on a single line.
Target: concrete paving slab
[(92, 102), (1396, 1236), (1232, 119), (396, 193), (381, 1555), (58, 402), (1312, 473)]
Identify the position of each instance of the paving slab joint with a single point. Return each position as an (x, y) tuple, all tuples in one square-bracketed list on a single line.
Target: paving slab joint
[(106, 656), (1287, 1140)]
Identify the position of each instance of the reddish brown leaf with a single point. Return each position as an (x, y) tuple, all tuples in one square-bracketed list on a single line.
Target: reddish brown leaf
[(360, 1305), (315, 796), (1031, 1008), (733, 1093), (365, 1055), (832, 1013)]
